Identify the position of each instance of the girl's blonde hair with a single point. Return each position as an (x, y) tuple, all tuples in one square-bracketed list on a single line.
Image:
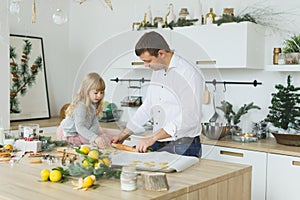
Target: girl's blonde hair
[(92, 81)]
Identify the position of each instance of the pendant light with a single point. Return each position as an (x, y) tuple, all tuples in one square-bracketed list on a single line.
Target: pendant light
[(59, 17)]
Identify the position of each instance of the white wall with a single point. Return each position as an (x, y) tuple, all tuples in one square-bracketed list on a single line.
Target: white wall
[(107, 24), (56, 46), (4, 63), (90, 24)]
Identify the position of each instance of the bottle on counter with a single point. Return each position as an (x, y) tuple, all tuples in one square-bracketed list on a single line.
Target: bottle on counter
[(210, 17)]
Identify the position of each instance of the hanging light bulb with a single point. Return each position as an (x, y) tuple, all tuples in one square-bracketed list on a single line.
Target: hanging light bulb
[(14, 7), (59, 17)]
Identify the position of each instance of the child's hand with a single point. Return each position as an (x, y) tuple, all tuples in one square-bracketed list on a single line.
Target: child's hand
[(100, 142)]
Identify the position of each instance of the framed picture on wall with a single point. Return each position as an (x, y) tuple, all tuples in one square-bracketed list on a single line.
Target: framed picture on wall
[(28, 82)]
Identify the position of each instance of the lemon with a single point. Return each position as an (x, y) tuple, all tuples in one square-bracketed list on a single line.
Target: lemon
[(55, 176), (93, 154), (8, 147), (45, 174), (100, 161), (85, 149), (85, 163), (96, 165), (106, 161), (88, 181)]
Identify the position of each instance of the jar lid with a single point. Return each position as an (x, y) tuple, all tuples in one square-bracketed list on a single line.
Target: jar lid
[(129, 169), (277, 50)]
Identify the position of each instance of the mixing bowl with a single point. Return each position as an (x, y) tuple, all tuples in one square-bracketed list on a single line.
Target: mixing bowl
[(215, 131)]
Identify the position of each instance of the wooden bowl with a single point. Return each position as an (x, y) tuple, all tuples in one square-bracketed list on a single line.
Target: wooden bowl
[(287, 139)]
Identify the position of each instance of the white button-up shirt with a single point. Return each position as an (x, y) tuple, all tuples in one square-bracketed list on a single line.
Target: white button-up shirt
[(173, 100)]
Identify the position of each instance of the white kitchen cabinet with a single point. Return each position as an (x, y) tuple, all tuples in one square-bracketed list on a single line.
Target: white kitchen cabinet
[(230, 45), (258, 161), (127, 58), (283, 177)]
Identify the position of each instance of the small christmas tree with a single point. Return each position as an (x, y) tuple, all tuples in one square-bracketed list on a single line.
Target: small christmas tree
[(285, 111), (23, 76)]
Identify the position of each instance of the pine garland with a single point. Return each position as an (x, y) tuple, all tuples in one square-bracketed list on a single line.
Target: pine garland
[(180, 23), (237, 19)]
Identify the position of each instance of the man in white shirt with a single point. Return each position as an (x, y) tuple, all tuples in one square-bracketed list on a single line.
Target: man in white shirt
[(173, 100)]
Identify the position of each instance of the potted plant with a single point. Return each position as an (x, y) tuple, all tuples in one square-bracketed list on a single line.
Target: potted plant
[(291, 49), (284, 114), (233, 118)]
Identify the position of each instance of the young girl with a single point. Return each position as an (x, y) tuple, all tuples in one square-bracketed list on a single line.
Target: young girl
[(81, 125)]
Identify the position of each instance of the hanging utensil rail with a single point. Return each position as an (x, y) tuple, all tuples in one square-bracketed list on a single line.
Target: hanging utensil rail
[(142, 80), (214, 82)]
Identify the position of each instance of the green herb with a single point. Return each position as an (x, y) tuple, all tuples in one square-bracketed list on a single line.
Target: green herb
[(103, 171), (48, 144), (292, 45), (231, 116)]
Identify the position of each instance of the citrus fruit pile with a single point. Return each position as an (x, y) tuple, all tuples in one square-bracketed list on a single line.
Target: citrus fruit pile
[(55, 175), (93, 157)]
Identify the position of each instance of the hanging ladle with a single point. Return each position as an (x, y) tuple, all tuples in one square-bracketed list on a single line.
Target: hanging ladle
[(215, 115)]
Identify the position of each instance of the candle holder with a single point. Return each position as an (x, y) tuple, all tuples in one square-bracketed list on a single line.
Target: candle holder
[(240, 136)]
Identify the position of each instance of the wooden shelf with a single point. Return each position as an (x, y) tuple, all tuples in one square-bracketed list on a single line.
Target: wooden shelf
[(283, 68)]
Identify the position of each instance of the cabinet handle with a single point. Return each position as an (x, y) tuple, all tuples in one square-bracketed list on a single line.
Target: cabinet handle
[(137, 63), (296, 163), (206, 62), (229, 153)]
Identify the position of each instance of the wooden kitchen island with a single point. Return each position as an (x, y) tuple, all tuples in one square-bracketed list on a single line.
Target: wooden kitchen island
[(207, 180)]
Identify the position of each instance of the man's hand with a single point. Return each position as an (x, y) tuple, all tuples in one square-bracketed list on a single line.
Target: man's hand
[(143, 144), (121, 137)]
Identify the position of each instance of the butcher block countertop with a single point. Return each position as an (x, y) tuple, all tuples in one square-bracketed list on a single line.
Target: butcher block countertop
[(207, 180), (268, 145)]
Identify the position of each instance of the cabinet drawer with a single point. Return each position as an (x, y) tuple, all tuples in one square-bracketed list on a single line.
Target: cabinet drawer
[(283, 180), (258, 161)]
